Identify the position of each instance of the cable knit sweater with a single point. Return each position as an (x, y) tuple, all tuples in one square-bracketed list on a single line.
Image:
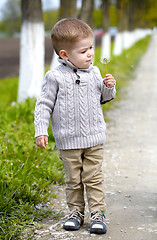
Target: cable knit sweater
[(74, 106)]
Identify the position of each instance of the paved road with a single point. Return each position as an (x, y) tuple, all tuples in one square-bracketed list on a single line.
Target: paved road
[(132, 208), (130, 165)]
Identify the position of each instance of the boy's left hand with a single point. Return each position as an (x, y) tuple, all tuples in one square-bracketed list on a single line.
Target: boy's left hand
[(109, 81)]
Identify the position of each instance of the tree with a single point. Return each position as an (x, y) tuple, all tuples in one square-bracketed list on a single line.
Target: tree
[(151, 16), (87, 12), (67, 9), (122, 10), (31, 50), (106, 39), (141, 11), (11, 17), (106, 14), (134, 14), (11, 10), (122, 37)]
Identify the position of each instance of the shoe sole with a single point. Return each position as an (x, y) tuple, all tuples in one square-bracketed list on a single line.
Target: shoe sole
[(70, 228), (98, 231)]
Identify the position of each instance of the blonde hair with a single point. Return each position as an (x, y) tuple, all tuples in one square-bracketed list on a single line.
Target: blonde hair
[(68, 31)]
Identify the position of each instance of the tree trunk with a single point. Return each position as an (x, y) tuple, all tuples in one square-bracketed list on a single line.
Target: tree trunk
[(106, 14), (123, 14), (31, 50), (86, 14), (106, 40), (131, 17), (67, 9)]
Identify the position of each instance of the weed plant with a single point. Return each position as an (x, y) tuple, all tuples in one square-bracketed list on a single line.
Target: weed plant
[(27, 172)]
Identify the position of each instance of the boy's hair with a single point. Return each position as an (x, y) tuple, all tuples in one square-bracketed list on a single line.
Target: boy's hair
[(68, 31)]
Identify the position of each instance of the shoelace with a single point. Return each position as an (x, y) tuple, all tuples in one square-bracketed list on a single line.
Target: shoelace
[(76, 215), (97, 216)]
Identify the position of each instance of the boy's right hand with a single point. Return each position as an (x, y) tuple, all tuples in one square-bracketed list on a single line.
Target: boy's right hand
[(41, 141)]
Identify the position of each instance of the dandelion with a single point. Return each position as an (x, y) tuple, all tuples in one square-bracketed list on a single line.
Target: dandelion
[(105, 60)]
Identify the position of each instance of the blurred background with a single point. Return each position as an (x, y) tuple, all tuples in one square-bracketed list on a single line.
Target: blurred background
[(25, 28), (101, 15)]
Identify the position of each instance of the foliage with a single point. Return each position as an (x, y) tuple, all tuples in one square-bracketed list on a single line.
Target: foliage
[(11, 17), (27, 172), (97, 18), (151, 15), (113, 16), (11, 9), (50, 18)]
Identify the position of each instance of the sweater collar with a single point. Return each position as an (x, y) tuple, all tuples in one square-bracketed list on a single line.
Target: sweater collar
[(70, 65)]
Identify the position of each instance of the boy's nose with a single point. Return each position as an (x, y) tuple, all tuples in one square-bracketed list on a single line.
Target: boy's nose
[(89, 53)]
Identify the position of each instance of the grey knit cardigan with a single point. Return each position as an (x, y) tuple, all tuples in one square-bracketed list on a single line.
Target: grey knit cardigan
[(72, 98)]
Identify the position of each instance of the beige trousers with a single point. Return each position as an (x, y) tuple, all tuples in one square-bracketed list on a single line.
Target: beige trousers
[(83, 167)]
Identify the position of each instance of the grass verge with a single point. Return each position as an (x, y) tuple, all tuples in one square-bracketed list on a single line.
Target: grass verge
[(27, 172)]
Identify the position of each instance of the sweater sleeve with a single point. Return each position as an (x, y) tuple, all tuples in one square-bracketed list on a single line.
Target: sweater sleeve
[(45, 104), (107, 94)]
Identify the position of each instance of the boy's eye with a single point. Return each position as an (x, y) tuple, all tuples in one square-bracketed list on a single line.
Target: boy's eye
[(84, 51)]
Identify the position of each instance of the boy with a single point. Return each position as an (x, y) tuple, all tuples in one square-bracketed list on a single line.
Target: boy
[(72, 95)]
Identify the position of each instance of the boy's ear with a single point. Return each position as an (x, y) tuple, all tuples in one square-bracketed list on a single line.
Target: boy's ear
[(63, 54)]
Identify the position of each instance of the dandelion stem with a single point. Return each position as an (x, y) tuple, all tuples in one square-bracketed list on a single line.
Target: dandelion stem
[(106, 69), (105, 61)]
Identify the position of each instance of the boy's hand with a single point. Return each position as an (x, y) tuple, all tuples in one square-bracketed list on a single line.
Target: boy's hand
[(41, 141), (109, 81)]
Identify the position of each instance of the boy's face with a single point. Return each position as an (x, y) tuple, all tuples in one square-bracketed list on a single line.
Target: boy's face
[(82, 53)]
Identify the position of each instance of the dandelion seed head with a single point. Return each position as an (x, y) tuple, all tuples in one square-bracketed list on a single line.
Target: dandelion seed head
[(104, 60)]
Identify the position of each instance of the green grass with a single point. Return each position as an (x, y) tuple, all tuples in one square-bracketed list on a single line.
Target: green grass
[(28, 173)]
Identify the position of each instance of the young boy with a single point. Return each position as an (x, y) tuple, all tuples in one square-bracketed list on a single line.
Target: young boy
[(72, 95)]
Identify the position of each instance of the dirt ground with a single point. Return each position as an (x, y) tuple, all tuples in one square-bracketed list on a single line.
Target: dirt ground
[(130, 165)]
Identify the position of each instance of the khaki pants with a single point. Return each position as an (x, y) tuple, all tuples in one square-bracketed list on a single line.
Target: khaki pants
[(83, 167)]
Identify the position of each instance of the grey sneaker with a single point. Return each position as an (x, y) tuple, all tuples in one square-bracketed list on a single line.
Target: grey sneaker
[(74, 221), (98, 225)]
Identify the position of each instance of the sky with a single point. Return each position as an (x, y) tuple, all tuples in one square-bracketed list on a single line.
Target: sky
[(47, 4)]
